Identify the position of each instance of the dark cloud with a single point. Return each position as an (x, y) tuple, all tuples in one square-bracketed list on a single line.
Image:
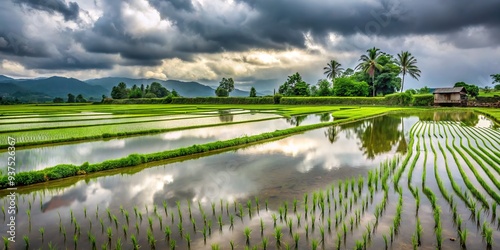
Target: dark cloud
[(185, 5), (69, 10), (117, 37), (280, 18), (17, 44)]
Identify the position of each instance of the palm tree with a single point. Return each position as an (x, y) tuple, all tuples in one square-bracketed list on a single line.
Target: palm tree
[(332, 70), (369, 63), (407, 64)]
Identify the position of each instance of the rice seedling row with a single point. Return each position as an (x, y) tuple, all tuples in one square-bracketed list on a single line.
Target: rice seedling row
[(485, 149), (475, 172)]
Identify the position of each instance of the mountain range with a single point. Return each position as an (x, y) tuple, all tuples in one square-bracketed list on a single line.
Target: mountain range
[(45, 89)]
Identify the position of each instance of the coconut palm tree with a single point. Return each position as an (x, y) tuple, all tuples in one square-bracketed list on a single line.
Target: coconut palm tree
[(407, 64), (369, 63), (333, 70)]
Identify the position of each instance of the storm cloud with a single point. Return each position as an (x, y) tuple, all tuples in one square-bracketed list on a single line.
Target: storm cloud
[(257, 42), (69, 10)]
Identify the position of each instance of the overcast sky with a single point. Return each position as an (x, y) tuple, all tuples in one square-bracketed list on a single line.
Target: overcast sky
[(257, 42)]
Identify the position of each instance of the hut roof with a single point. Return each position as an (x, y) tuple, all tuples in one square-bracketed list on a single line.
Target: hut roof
[(450, 90)]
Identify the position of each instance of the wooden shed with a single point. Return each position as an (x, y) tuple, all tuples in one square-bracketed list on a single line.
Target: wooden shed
[(456, 96)]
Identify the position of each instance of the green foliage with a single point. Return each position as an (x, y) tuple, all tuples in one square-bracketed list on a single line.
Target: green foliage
[(58, 100), (369, 65), (71, 98), (221, 92), (496, 78), (497, 87), (150, 95), (333, 100), (333, 70), (423, 100), (407, 65), (399, 99), (350, 87), (253, 92), (277, 98), (144, 100), (380, 71), (324, 88), (136, 93), (80, 99), (225, 87), (223, 100), (120, 91), (157, 89), (424, 90), (411, 91), (472, 90), (294, 86)]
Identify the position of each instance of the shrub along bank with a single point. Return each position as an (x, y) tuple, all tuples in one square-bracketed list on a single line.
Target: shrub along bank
[(397, 99), (68, 170)]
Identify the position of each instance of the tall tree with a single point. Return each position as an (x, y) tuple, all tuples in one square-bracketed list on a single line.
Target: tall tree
[(370, 63), (226, 85), (253, 92), (408, 65), (80, 99), (71, 98), (294, 86), (333, 70)]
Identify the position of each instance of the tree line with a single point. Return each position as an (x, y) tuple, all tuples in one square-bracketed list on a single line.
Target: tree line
[(155, 90), (71, 99), (378, 73)]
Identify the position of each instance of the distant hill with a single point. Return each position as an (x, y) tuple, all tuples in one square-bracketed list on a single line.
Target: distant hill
[(186, 89), (7, 88), (11, 90), (59, 87), (43, 89), (5, 78)]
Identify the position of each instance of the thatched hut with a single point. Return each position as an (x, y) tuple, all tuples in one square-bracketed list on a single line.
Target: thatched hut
[(456, 96)]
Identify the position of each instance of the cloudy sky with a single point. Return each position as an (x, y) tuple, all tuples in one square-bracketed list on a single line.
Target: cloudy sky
[(257, 42)]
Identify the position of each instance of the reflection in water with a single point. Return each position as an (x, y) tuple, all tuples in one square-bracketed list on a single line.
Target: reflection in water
[(468, 118), (65, 200), (296, 120), (225, 116), (332, 133), (377, 135), (325, 117), (279, 170)]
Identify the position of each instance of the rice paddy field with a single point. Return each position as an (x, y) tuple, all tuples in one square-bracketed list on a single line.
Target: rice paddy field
[(250, 177)]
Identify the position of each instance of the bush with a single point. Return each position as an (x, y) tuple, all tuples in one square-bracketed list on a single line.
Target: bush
[(488, 99), (277, 98), (349, 87), (223, 100), (61, 171), (423, 100), (399, 99), (139, 101), (333, 101)]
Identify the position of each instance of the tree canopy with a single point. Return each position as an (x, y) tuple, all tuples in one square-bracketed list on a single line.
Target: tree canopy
[(496, 78), (472, 90), (253, 92), (407, 65), (226, 85), (294, 86)]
